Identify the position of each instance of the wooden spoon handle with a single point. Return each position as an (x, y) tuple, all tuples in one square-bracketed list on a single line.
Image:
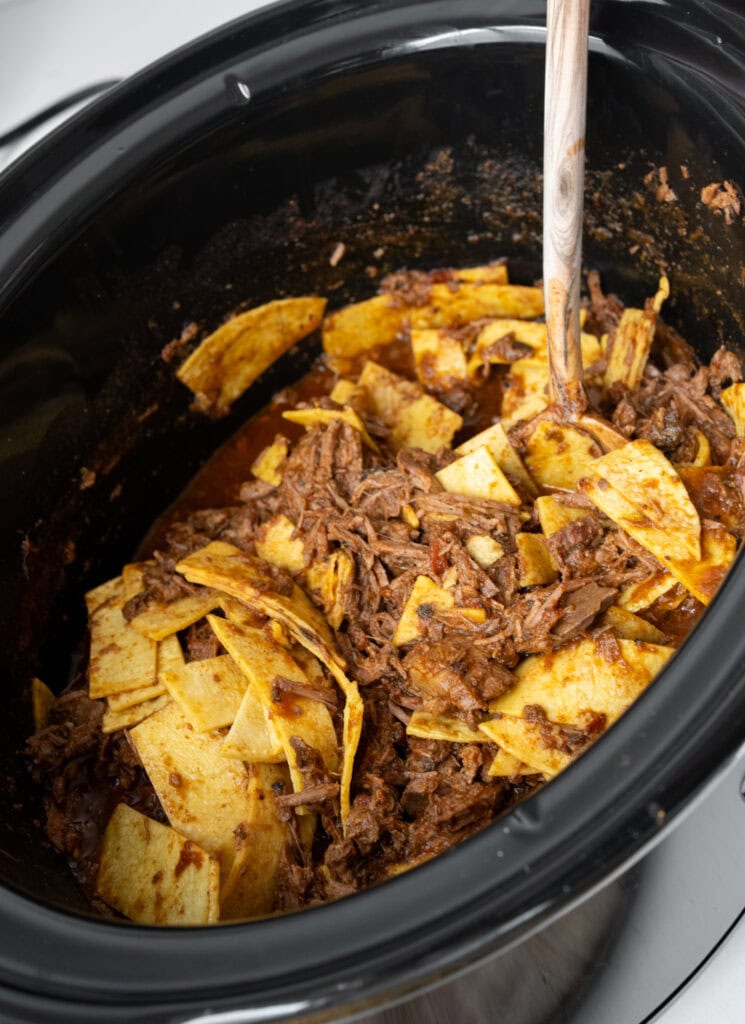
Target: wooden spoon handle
[(563, 195)]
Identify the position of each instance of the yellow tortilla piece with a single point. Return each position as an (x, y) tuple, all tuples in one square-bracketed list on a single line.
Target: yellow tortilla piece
[(262, 662), (490, 273), (315, 417), (415, 419), (439, 358), (703, 578), (120, 657), (442, 727), (733, 400), (505, 765), (630, 344), (132, 579), (484, 550), (227, 362), (345, 392), (331, 580), (410, 517), (640, 491), (604, 433), (425, 598), (42, 700), (527, 391), (630, 626), (169, 656), (526, 333), (125, 718), (277, 542), (367, 325), (703, 450), (524, 742), (559, 455), (161, 619), (269, 463), (252, 737), (209, 692), (495, 439), (204, 795), (250, 887), (637, 596), (553, 516), (153, 875), (579, 678), (536, 565), (131, 698), (477, 475), (110, 591)]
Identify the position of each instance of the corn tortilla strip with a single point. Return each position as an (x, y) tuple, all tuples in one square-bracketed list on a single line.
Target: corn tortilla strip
[(637, 596), (526, 333), (279, 543), (125, 718), (484, 550), (442, 727), (269, 464), (315, 417), (230, 359), (523, 740), (242, 615), (505, 765), (703, 578), (579, 678), (415, 419), (133, 578), (120, 657), (439, 358), (640, 491), (253, 737), (425, 599), (628, 347), (606, 435), (630, 626), (262, 662), (733, 400), (536, 564), (250, 887), (517, 408), (345, 392), (42, 700), (332, 580), (559, 455), (477, 475), (161, 618), (554, 516), (527, 391), (209, 692), (204, 795), (376, 322), (703, 449), (111, 590), (153, 875), (131, 698), (495, 439)]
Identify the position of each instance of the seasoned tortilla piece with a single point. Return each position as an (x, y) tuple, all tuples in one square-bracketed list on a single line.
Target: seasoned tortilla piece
[(331, 580), (505, 765), (640, 491), (115, 719), (554, 516), (630, 626), (525, 333), (581, 678), (250, 888), (164, 618), (425, 599), (527, 392), (204, 795), (262, 663), (209, 692), (279, 543), (253, 737), (169, 656), (628, 347), (42, 700), (120, 657), (313, 417), (363, 326), (131, 698), (733, 400), (495, 439), (523, 740), (110, 591), (439, 358), (484, 550), (153, 875), (415, 419), (637, 596), (558, 455), (442, 727), (536, 564), (228, 361), (270, 463), (477, 475)]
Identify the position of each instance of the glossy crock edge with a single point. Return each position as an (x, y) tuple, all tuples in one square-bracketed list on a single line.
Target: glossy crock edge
[(638, 829)]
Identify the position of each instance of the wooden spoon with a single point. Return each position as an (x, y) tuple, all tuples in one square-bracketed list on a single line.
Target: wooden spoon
[(563, 195)]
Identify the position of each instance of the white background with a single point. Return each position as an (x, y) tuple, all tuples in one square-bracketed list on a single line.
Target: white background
[(50, 48)]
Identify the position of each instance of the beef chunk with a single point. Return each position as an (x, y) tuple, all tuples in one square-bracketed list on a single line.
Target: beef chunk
[(454, 671)]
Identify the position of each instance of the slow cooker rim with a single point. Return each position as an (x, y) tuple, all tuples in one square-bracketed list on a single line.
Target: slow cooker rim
[(619, 759)]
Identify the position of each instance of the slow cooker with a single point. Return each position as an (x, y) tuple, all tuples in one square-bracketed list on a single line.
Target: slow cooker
[(227, 173)]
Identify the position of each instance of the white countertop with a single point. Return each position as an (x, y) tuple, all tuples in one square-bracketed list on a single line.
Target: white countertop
[(50, 49)]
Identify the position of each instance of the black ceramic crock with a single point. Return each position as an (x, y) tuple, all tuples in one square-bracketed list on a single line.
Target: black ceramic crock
[(227, 173)]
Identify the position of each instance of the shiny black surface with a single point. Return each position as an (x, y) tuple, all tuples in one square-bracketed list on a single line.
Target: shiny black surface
[(138, 216)]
